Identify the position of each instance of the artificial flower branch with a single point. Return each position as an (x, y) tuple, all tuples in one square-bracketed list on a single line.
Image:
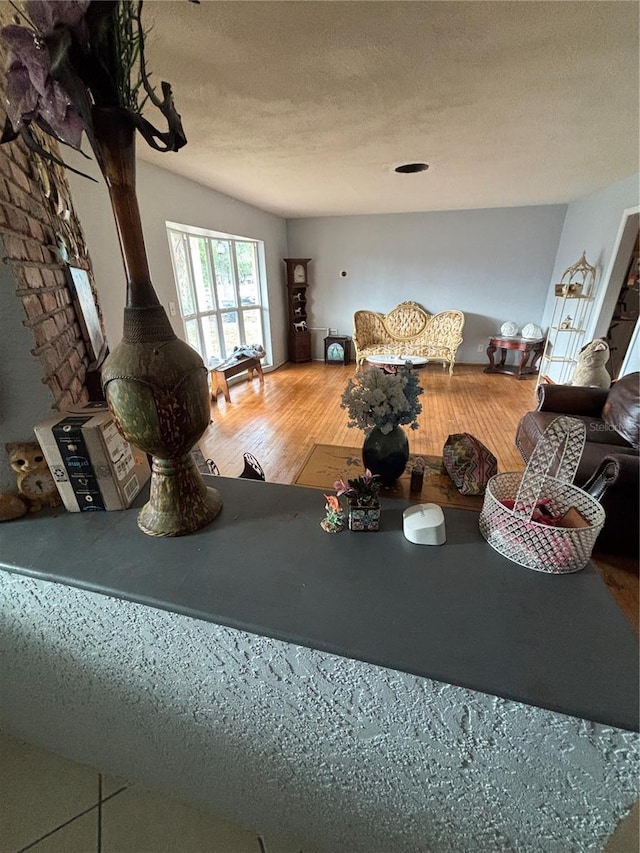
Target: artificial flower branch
[(383, 400), (75, 57), (362, 490)]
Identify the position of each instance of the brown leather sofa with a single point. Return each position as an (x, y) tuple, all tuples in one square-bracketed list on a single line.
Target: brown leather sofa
[(610, 464)]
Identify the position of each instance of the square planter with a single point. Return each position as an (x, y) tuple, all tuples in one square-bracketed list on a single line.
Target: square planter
[(364, 518)]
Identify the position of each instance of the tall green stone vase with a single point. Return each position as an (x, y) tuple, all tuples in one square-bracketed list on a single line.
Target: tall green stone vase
[(156, 385)]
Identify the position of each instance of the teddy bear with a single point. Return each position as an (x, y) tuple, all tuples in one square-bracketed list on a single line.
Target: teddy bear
[(590, 362)]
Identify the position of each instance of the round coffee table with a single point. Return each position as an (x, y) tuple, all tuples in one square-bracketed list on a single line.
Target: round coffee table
[(396, 360)]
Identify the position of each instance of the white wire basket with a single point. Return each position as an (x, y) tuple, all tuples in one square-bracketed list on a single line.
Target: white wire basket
[(515, 534)]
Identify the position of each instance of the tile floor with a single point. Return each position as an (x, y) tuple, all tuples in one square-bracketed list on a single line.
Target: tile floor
[(51, 805)]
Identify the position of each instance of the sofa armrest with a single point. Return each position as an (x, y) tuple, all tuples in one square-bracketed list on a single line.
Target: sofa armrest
[(368, 329), (571, 400), (445, 330), (604, 476), (628, 465), (615, 484)]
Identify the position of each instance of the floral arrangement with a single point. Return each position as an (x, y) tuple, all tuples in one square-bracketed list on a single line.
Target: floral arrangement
[(383, 400), (362, 490), (70, 57)]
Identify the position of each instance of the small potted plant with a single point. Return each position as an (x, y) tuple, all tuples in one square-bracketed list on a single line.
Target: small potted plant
[(364, 505)]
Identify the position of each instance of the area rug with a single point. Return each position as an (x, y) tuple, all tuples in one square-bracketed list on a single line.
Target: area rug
[(327, 463)]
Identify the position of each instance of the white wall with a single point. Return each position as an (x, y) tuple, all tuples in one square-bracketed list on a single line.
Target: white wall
[(163, 197), (592, 225), (24, 399), (494, 265)]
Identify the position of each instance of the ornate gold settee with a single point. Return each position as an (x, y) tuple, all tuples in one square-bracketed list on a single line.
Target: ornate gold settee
[(408, 330)]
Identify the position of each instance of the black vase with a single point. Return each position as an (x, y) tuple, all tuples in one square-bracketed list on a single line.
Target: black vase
[(386, 454)]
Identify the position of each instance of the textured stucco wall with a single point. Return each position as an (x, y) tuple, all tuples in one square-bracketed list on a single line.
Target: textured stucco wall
[(350, 756)]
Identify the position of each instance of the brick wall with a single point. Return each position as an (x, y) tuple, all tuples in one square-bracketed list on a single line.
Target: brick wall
[(36, 216), (36, 213)]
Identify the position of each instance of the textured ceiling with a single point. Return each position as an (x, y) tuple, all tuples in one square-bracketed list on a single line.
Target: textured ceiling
[(305, 108)]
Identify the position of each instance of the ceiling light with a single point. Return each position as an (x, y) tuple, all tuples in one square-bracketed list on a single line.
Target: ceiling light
[(410, 168)]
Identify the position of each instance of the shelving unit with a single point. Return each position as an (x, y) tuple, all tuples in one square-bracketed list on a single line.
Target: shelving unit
[(571, 311), (299, 334)]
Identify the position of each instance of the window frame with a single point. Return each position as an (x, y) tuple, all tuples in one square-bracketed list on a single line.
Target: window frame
[(199, 316)]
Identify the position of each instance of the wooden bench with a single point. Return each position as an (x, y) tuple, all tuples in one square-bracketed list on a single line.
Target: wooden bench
[(220, 375)]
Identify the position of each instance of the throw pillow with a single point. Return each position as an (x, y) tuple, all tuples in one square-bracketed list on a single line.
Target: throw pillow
[(469, 463)]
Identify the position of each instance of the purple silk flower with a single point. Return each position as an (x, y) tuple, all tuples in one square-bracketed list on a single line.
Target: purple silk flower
[(31, 91)]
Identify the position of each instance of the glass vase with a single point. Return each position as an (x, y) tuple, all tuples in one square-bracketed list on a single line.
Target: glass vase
[(386, 454)]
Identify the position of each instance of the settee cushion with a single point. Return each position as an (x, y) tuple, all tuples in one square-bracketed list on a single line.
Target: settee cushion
[(622, 408), (407, 321)]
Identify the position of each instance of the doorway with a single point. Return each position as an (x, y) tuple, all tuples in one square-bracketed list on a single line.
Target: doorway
[(618, 299), (625, 314)]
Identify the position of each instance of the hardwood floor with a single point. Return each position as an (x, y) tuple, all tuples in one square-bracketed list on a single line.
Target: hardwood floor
[(299, 406)]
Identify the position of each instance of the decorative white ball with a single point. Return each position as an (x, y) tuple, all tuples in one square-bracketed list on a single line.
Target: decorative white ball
[(532, 331), (509, 329)]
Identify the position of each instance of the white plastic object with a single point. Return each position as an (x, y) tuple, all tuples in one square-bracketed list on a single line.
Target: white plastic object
[(423, 524)]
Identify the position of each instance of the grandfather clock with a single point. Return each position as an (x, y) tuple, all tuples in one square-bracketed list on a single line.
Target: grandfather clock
[(299, 334)]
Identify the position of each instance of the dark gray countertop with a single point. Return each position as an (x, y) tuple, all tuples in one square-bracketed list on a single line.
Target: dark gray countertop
[(459, 613)]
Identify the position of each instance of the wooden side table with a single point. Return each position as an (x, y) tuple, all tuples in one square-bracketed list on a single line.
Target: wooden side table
[(337, 349), (220, 376), (531, 353)]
